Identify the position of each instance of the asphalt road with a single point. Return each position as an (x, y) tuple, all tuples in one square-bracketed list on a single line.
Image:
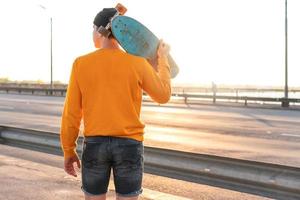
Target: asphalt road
[(267, 135)]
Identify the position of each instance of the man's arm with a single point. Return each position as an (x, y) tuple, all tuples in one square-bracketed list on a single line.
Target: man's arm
[(71, 117), (158, 84)]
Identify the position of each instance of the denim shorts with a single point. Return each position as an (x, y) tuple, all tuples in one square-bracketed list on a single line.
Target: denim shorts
[(124, 156)]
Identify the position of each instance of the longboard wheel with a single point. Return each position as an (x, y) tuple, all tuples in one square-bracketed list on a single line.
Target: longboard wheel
[(121, 9)]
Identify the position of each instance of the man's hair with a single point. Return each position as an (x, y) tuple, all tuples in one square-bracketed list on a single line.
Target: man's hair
[(103, 18)]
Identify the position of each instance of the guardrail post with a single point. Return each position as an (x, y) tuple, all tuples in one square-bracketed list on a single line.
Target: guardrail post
[(185, 98), (246, 101), (214, 90), (214, 96), (285, 103)]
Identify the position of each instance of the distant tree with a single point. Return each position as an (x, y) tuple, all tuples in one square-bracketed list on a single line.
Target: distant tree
[(4, 80), (39, 81), (57, 82)]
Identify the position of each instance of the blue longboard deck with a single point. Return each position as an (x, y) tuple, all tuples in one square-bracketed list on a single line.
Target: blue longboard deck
[(138, 40)]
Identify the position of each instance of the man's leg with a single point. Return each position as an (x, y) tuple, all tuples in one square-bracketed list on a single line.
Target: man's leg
[(96, 168), (99, 197), (128, 168), (127, 198)]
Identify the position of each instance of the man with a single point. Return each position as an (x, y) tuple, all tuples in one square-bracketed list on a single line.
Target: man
[(105, 89)]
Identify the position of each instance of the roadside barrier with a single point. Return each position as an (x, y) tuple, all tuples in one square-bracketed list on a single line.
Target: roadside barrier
[(265, 179)]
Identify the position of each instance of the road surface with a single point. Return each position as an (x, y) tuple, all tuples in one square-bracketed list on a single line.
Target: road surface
[(267, 135)]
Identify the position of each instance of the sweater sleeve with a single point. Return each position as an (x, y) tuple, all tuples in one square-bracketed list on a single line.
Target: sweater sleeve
[(71, 116), (157, 84)]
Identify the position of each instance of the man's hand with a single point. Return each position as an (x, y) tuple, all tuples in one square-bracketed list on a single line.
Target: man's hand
[(163, 49), (69, 167)]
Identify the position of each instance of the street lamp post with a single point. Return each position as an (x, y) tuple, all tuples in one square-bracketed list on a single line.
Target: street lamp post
[(51, 53), (285, 102)]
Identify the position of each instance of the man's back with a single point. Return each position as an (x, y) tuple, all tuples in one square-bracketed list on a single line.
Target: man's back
[(106, 90), (110, 81)]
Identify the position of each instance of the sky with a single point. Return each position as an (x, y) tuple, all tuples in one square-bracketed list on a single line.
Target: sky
[(234, 42)]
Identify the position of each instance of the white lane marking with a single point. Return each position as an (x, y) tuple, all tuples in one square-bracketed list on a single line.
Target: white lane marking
[(291, 135), (28, 101), (54, 125), (7, 107)]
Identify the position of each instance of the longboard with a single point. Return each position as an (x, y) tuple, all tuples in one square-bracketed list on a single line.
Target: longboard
[(137, 39)]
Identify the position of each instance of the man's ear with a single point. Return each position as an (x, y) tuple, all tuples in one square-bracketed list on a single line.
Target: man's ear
[(96, 33), (97, 38)]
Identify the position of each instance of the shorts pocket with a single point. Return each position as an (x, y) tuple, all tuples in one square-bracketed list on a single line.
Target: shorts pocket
[(130, 156), (90, 154)]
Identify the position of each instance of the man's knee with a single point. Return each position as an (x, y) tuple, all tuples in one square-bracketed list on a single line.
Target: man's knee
[(96, 197), (127, 198)]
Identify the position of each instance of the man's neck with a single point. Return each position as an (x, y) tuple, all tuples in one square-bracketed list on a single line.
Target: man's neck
[(110, 44)]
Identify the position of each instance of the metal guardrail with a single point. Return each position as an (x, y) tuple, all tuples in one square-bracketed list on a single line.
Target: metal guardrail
[(47, 91), (186, 96), (177, 89), (270, 180), (246, 99), (236, 90)]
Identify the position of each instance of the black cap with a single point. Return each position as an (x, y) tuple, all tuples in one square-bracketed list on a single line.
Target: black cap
[(103, 17)]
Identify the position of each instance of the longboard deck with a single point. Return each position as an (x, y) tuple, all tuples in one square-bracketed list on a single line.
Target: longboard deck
[(138, 40)]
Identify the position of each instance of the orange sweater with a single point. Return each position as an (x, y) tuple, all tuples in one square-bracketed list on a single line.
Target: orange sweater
[(105, 89)]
